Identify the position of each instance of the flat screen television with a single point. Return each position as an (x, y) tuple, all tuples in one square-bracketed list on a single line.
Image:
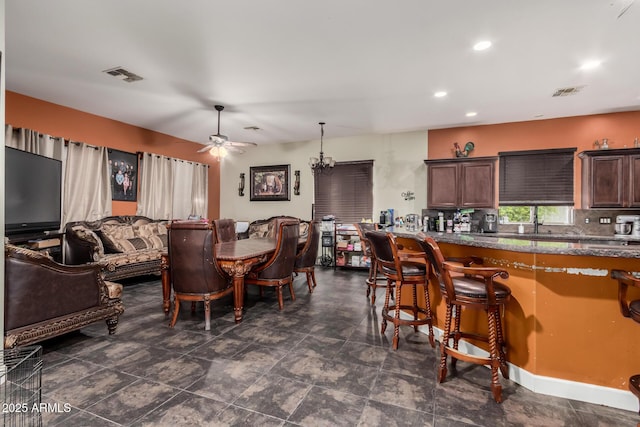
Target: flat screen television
[(32, 194)]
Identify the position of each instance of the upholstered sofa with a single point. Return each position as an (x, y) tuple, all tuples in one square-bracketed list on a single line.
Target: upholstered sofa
[(125, 246), (265, 227), (44, 299)]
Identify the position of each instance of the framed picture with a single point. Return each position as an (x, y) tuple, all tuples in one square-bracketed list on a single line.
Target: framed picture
[(123, 169), (269, 182)]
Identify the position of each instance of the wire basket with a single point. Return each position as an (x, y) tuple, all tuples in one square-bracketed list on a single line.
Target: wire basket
[(21, 386)]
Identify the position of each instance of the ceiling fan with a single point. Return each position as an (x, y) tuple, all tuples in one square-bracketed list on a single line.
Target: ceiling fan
[(219, 144)]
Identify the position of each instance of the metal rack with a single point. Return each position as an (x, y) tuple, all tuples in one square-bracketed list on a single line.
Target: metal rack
[(328, 237), (21, 387)]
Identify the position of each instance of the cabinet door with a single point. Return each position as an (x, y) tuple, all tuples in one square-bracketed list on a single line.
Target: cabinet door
[(634, 181), (442, 186), (477, 185), (607, 182)]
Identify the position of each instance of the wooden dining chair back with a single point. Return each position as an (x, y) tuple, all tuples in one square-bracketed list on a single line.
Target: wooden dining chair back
[(277, 271), (631, 309), (464, 285), (400, 274), (375, 279), (193, 269), (225, 230), (307, 256)]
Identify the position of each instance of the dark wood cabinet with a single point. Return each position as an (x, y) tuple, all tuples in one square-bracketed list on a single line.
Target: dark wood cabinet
[(461, 183), (611, 178)]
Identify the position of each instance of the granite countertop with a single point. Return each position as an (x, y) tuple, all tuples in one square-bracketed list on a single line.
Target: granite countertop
[(604, 246)]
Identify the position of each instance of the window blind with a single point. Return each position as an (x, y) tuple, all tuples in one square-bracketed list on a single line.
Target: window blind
[(536, 177), (345, 192)]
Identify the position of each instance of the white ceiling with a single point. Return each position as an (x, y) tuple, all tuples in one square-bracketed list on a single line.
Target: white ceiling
[(363, 66)]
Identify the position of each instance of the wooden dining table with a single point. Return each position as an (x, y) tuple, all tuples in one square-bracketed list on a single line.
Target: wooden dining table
[(236, 258)]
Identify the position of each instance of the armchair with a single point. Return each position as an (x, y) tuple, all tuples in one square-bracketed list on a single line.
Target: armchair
[(44, 299)]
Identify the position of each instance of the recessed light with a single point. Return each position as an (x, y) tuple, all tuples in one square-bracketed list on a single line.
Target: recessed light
[(471, 114), (440, 94), (590, 65), (482, 45)]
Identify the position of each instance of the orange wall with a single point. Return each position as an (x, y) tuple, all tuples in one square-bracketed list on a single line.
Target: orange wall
[(52, 119), (580, 132)]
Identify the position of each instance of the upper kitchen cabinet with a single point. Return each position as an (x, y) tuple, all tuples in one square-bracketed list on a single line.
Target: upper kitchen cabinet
[(461, 183), (611, 178)]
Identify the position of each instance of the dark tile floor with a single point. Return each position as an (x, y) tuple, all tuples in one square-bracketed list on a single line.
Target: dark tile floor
[(319, 362)]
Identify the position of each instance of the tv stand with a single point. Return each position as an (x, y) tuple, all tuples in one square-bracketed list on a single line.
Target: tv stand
[(49, 242)]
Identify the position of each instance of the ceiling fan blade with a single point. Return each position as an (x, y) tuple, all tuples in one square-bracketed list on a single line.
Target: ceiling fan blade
[(233, 149), (240, 144), (205, 148)]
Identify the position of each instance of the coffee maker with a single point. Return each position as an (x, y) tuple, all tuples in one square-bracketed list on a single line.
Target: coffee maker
[(489, 223)]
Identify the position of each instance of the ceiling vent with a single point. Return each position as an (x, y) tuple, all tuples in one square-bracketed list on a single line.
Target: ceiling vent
[(567, 91), (123, 74)]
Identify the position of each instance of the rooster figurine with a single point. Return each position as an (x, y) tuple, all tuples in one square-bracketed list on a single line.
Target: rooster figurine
[(467, 149)]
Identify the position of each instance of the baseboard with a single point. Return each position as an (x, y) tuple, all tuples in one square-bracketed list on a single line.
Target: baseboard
[(584, 392)]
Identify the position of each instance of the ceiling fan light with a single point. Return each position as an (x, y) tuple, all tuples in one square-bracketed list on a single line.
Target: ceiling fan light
[(218, 152)]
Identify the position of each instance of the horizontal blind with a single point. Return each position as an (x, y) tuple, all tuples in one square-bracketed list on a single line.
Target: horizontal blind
[(537, 177), (345, 191)]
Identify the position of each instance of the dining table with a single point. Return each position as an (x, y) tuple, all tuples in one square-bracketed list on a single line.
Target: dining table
[(236, 258)]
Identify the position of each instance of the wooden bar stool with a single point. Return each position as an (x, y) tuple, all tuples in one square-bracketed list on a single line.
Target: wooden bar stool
[(401, 274), (471, 288), (629, 309), (375, 279)]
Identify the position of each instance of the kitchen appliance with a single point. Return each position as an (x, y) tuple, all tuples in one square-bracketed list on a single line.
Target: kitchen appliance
[(627, 225), (489, 223), (465, 223), (412, 222), (384, 218)]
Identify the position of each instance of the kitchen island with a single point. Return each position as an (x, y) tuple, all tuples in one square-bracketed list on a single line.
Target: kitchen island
[(565, 333)]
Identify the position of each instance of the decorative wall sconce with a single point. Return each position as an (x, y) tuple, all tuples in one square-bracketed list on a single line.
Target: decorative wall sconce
[(296, 184), (241, 185)]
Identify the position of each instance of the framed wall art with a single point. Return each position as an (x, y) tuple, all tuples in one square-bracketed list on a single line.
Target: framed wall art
[(269, 182), (123, 169)]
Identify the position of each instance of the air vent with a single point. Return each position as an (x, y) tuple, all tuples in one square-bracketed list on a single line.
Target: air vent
[(568, 91), (123, 74)]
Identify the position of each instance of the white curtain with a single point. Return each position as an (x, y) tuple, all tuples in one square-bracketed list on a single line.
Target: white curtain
[(87, 195), (182, 184), (156, 187), (34, 142), (200, 190), (172, 188)]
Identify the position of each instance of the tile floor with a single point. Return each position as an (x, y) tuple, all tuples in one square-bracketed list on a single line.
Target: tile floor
[(320, 362)]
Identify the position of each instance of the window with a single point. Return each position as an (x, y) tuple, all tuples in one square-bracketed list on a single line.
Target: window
[(549, 215), (345, 191), (537, 181)]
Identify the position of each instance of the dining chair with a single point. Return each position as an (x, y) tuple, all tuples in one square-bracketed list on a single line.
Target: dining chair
[(277, 271), (466, 286), (193, 269), (307, 256), (400, 274), (225, 230)]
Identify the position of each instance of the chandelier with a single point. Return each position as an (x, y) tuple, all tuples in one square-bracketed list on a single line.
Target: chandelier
[(321, 164)]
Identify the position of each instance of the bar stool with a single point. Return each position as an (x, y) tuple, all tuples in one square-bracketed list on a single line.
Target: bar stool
[(629, 309), (471, 288), (400, 274), (374, 276)]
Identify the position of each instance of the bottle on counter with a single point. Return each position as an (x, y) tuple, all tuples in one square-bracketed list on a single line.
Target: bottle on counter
[(441, 221)]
